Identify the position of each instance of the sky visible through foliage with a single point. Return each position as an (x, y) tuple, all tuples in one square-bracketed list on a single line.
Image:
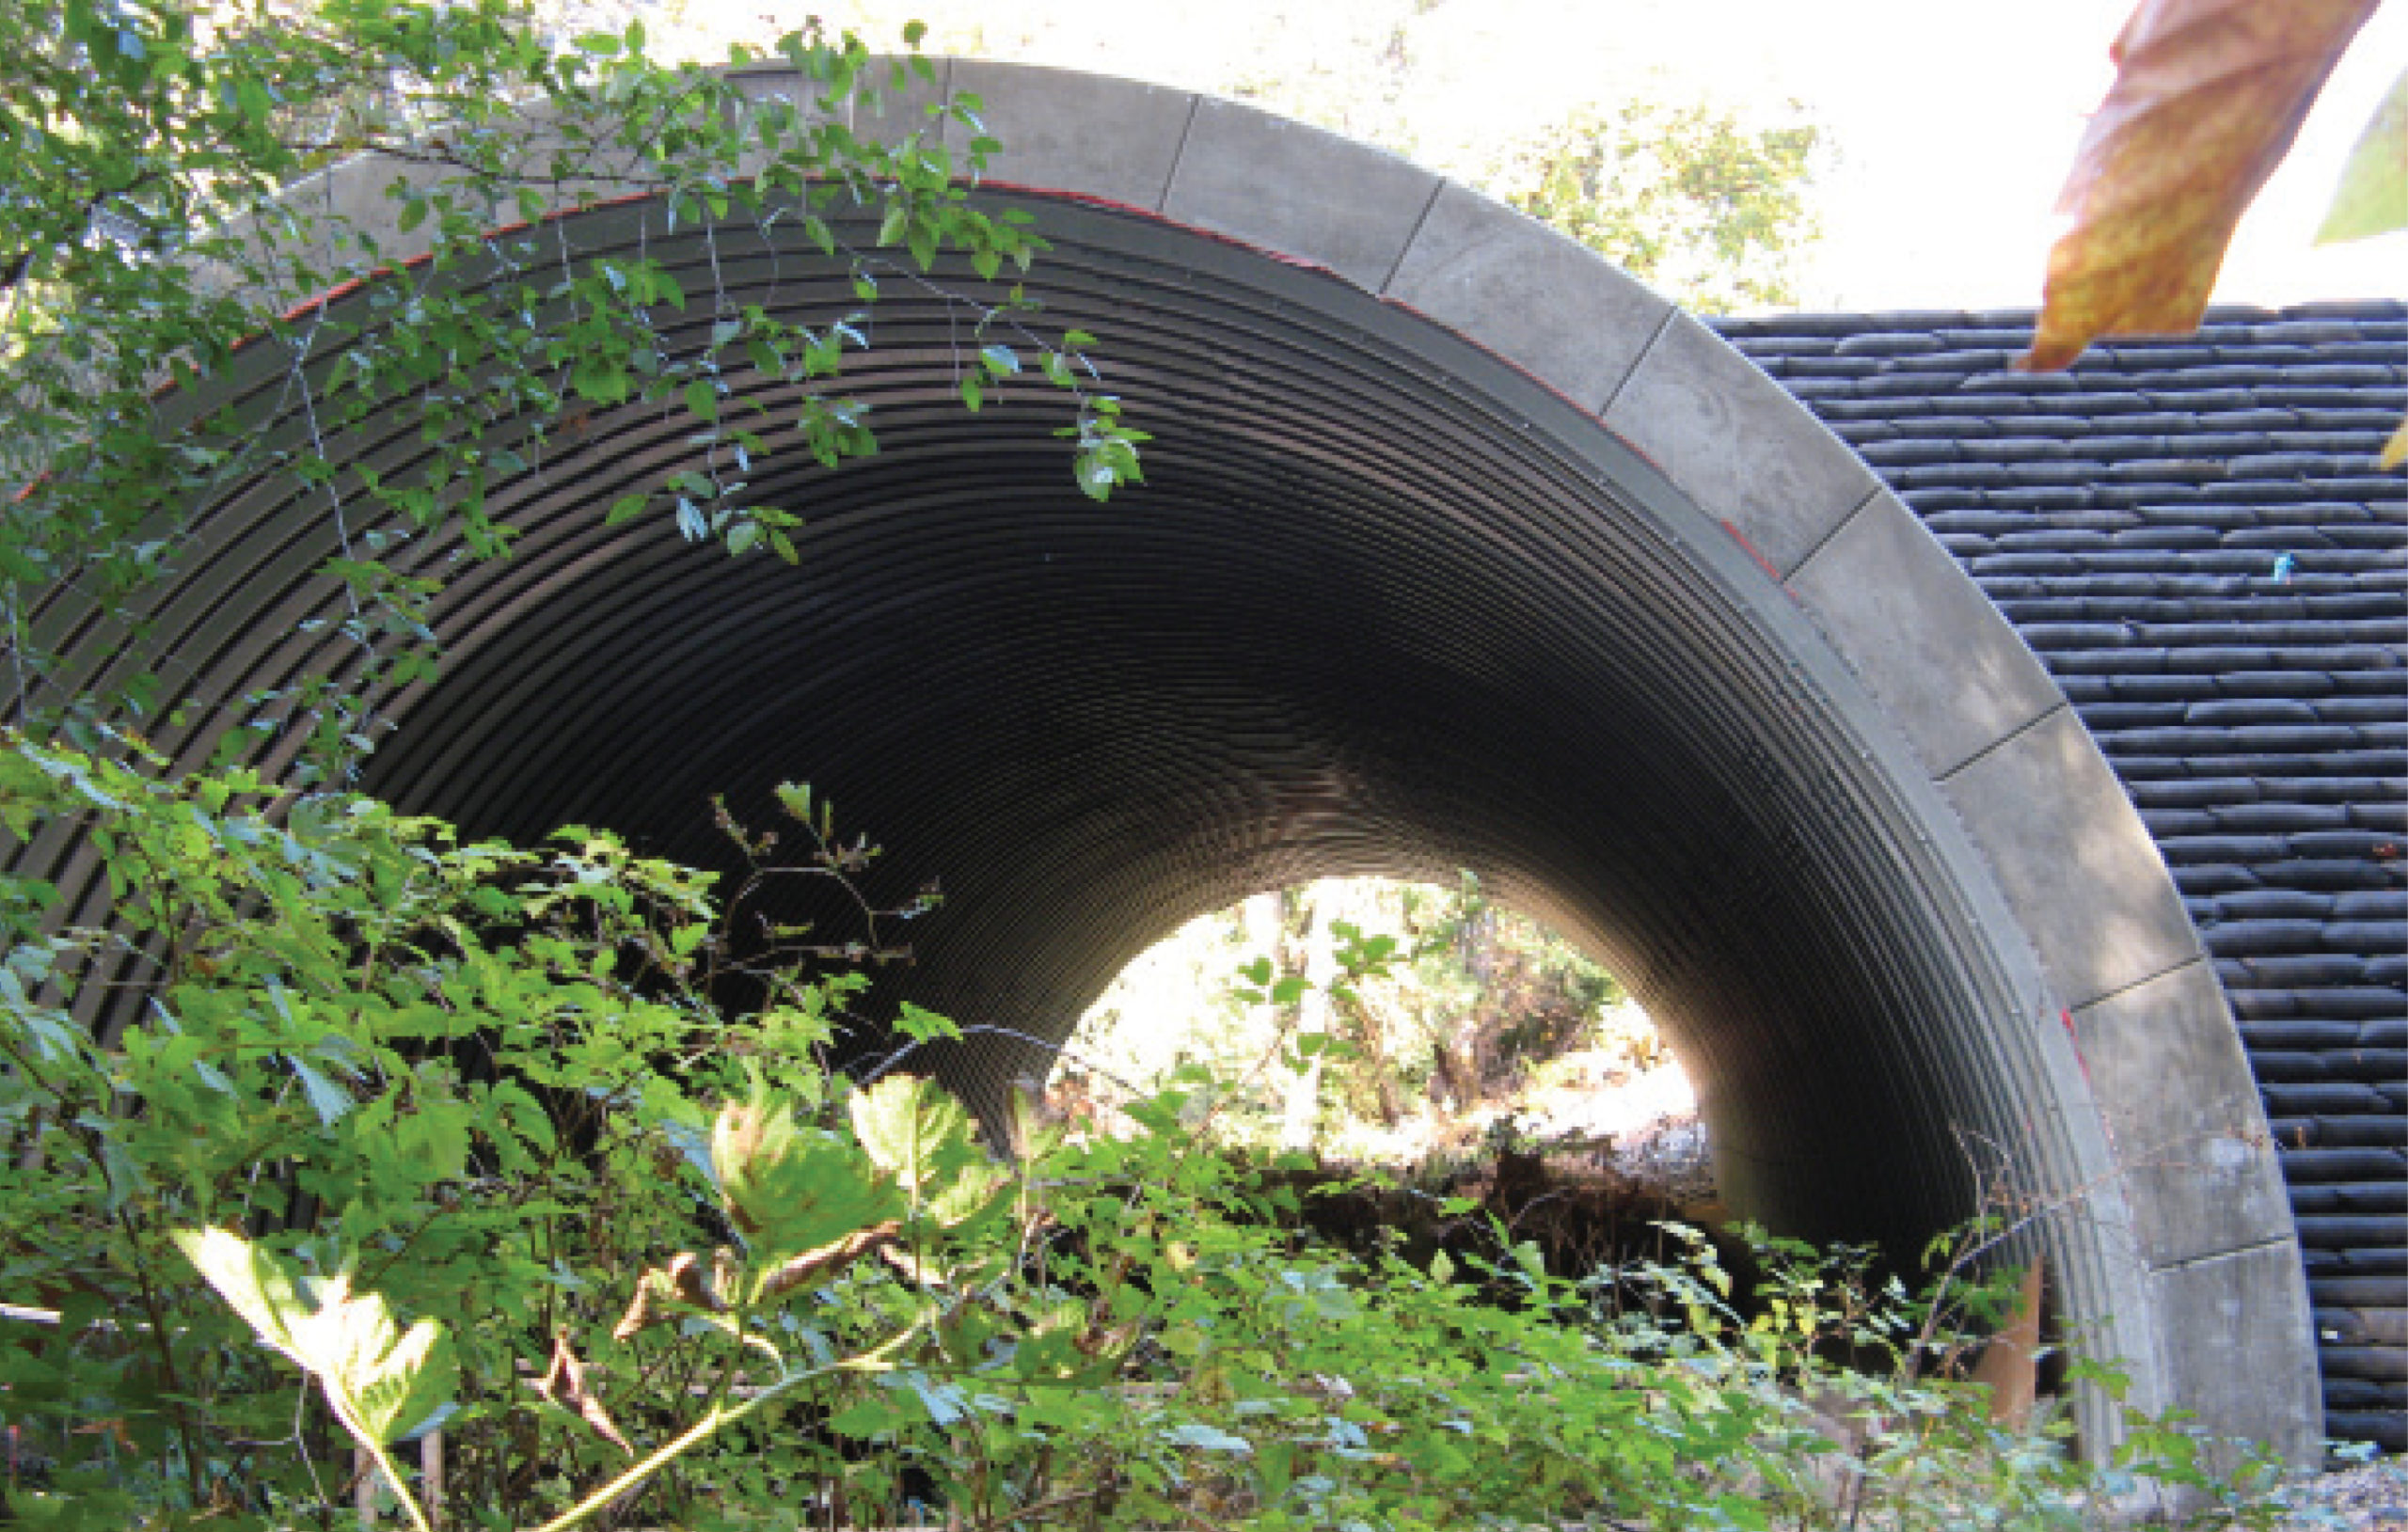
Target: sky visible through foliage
[(1953, 124)]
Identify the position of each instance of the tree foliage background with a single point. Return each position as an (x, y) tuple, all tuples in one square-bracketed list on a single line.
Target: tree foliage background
[(1710, 198)]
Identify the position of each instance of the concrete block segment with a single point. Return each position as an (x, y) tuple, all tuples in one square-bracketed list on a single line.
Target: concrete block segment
[(1934, 650), (2075, 862), (1307, 194), (1539, 300), (885, 112), (1043, 119), (1733, 442), (2204, 1169), (2236, 1332)]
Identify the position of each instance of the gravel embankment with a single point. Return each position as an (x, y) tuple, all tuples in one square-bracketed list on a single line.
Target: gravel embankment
[(2372, 1498)]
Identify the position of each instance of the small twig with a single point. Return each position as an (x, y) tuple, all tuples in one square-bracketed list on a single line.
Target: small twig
[(712, 1422)]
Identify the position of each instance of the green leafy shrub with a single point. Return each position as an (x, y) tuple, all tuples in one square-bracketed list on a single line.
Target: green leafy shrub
[(458, 1131)]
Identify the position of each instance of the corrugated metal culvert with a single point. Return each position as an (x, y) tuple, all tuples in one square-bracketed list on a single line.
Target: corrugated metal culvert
[(1458, 549)]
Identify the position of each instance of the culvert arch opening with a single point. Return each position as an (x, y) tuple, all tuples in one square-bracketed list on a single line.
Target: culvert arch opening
[(1430, 1023), (1457, 550)]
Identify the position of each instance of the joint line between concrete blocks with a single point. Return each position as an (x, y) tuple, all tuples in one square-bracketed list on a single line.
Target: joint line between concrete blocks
[(946, 124), (2189, 1261), (1406, 248), (1178, 160), (2126, 988), (1670, 312), (1838, 526), (1944, 779)]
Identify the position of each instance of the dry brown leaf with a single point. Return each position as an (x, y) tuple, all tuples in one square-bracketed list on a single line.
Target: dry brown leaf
[(564, 1384), (819, 1267), (2208, 95), (682, 1284)]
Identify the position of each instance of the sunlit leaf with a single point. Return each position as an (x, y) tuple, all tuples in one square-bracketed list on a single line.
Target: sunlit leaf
[(2208, 95), (384, 1378), (393, 1378), (913, 1128), (980, 1189), (923, 1025), (257, 1285), (789, 1188), (2372, 197)]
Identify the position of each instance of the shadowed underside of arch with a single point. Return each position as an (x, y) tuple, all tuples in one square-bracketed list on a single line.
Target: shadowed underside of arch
[(1458, 549)]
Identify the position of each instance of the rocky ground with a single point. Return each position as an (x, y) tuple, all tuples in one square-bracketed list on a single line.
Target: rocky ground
[(2372, 1498)]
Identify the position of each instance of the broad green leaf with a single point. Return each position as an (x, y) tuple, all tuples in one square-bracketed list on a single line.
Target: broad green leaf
[(788, 1187), (2372, 197), (1195, 1434), (870, 1419), (325, 1099), (913, 1130), (384, 1378), (923, 1025), (390, 1380), (980, 1189), (257, 1285), (944, 1402)]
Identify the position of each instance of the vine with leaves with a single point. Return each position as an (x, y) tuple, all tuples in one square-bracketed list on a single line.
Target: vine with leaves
[(167, 229)]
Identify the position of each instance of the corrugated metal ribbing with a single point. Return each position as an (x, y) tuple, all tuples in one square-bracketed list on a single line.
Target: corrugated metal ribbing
[(1383, 606)]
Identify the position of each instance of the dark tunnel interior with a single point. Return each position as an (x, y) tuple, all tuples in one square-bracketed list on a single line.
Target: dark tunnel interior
[(1367, 615), (1383, 606)]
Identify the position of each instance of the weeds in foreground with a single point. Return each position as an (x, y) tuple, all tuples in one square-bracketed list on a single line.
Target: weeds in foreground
[(462, 1135)]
